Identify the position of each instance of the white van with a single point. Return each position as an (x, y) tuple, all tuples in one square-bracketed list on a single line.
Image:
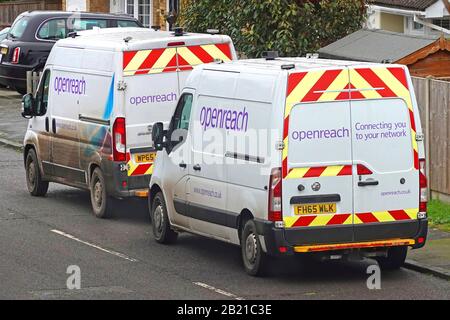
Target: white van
[(91, 118), (294, 155)]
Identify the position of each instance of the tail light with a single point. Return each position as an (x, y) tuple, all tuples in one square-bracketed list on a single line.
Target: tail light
[(362, 170), (275, 183), (423, 195), (119, 140), (16, 55)]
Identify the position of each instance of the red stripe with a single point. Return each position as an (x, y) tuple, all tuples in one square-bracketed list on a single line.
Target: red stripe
[(150, 61), (375, 82), (399, 215), (172, 65), (400, 74), (304, 221), (367, 217), (201, 54), (338, 219), (294, 80), (416, 160), (284, 168), (314, 172), (345, 171), (127, 57), (411, 118), (225, 48), (322, 84), (286, 127), (141, 169), (355, 95)]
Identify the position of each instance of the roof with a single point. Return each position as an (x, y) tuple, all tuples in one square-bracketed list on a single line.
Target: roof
[(55, 13), (139, 39), (375, 46), (419, 5)]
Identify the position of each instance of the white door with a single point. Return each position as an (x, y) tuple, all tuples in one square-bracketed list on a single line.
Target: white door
[(317, 187), (386, 187)]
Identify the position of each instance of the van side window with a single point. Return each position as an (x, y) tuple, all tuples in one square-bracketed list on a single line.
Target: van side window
[(183, 112), (42, 94)]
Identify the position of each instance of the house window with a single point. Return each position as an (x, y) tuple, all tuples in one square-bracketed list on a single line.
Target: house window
[(443, 23), (141, 10)]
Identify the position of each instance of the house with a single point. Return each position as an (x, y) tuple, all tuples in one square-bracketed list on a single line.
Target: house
[(425, 55), (413, 17), (149, 12)]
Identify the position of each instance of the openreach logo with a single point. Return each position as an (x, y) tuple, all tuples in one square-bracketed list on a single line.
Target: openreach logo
[(217, 118), (70, 85)]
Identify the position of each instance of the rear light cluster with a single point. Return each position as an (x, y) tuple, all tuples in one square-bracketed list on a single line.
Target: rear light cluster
[(275, 183), (119, 140), (423, 195), (362, 170), (16, 55)]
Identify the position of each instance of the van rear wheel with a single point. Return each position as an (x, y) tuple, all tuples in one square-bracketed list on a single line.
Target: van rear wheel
[(36, 186), (101, 203), (394, 260), (162, 230), (254, 258)]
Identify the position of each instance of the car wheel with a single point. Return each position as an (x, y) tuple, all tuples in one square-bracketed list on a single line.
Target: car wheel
[(395, 258), (36, 186), (101, 202), (254, 259), (162, 230)]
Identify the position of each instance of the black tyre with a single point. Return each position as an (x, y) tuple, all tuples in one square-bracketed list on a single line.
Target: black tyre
[(394, 260), (254, 259), (101, 202), (36, 186), (162, 230)]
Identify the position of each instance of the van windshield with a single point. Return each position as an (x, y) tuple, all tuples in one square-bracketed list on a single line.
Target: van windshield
[(18, 28)]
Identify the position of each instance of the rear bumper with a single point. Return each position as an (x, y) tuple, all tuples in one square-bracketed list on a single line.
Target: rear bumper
[(14, 75), (315, 239), (120, 185)]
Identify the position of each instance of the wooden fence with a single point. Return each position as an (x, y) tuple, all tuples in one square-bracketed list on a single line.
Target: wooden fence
[(433, 97), (10, 10)]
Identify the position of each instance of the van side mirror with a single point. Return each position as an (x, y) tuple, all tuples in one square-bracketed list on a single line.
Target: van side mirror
[(158, 135), (28, 106)]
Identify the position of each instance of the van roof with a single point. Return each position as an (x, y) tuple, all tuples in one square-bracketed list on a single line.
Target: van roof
[(291, 64), (112, 39)]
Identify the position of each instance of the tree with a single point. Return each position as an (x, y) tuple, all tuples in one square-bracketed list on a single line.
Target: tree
[(293, 28)]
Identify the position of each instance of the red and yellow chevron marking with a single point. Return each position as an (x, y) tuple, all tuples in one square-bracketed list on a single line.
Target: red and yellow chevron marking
[(343, 84), (347, 218), (135, 169), (173, 59), (314, 172)]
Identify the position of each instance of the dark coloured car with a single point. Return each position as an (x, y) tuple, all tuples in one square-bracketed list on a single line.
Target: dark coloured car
[(33, 34)]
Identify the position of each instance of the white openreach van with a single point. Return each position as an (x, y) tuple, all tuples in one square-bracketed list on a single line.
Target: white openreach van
[(91, 118), (294, 155)]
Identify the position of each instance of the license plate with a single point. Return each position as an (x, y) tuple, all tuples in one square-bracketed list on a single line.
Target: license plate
[(145, 157), (4, 50), (315, 208)]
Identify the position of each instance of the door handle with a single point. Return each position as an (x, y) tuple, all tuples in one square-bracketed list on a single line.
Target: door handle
[(47, 125), (197, 167), (368, 183), (182, 165), (54, 125)]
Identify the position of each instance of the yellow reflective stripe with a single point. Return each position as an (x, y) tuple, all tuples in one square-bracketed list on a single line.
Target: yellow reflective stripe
[(331, 171), (215, 52), (136, 62), (412, 213), (163, 61), (131, 167), (349, 220), (394, 84), (289, 221), (321, 220), (340, 83), (302, 89), (383, 216), (360, 83), (190, 57), (149, 170), (297, 173)]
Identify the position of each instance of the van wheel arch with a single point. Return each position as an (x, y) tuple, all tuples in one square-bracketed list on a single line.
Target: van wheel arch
[(27, 149), (242, 219), (151, 195), (92, 167)]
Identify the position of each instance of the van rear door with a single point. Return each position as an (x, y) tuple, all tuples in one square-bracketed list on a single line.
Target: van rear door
[(317, 159), (386, 187)]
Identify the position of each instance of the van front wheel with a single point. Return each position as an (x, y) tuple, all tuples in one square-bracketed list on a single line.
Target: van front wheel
[(100, 201), (162, 230), (395, 258), (36, 186), (254, 259)]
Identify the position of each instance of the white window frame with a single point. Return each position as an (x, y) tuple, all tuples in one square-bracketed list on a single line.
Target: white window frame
[(136, 10)]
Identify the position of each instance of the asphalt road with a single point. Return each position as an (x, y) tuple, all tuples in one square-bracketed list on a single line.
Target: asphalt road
[(118, 258)]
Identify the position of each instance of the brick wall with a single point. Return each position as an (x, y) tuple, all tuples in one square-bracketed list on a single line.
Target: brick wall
[(159, 11), (97, 6)]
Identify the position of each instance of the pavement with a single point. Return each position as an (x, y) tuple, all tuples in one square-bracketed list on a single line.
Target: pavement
[(40, 238)]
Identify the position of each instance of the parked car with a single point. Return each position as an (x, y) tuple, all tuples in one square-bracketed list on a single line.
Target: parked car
[(86, 130), (294, 156), (33, 34), (4, 33)]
